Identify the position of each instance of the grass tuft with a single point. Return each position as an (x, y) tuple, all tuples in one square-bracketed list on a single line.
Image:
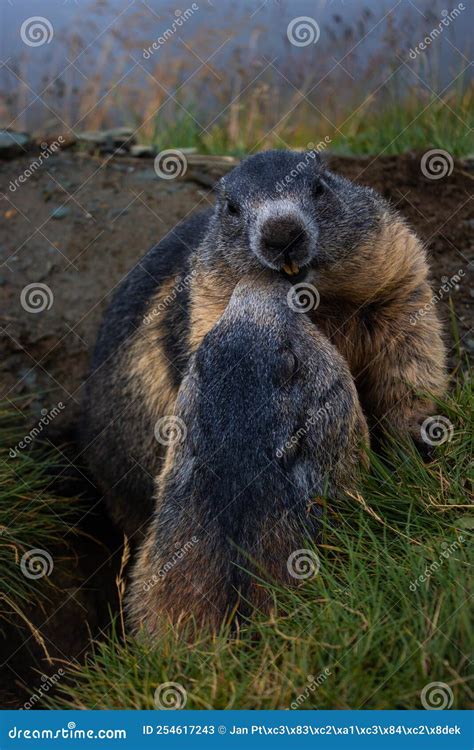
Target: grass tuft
[(386, 615), (32, 517)]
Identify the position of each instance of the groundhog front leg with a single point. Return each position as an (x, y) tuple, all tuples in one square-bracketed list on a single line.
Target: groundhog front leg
[(405, 366)]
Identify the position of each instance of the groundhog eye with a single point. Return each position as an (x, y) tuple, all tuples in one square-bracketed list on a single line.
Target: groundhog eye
[(288, 367), (232, 208), (318, 189)]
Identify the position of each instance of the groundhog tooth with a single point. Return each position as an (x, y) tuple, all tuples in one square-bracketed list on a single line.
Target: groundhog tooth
[(291, 269)]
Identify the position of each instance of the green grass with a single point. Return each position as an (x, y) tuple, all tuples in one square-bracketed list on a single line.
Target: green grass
[(364, 633), (32, 517), (394, 126), (416, 126)]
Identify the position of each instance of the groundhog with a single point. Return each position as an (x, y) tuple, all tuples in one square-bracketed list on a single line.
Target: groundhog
[(267, 419), (282, 212)]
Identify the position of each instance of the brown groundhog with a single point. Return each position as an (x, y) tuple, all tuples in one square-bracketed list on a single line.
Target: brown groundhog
[(366, 275), (267, 419)]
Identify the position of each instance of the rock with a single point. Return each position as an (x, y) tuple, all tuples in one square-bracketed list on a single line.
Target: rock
[(146, 174), (60, 212), (13, 144), (58, 142), (119, 167), (469, 343), (108, 141), (141, 151), (209, 160), (468, 162)]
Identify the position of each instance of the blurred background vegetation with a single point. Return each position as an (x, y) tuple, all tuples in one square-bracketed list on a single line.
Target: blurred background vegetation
[(228, 79)]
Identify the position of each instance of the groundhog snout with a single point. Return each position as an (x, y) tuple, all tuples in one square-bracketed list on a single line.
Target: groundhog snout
[(284, 242)]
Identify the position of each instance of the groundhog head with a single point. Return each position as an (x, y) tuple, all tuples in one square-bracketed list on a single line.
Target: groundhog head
[(268, 420), (258, 377), (286, 211)]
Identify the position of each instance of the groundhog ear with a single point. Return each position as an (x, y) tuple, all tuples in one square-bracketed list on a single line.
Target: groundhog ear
[(220, 185)]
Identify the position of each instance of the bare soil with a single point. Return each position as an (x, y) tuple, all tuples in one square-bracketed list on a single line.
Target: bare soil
[(111, 210), (117, 208)]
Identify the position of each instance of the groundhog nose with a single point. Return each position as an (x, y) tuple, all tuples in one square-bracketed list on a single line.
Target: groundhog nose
[(284, 239)]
